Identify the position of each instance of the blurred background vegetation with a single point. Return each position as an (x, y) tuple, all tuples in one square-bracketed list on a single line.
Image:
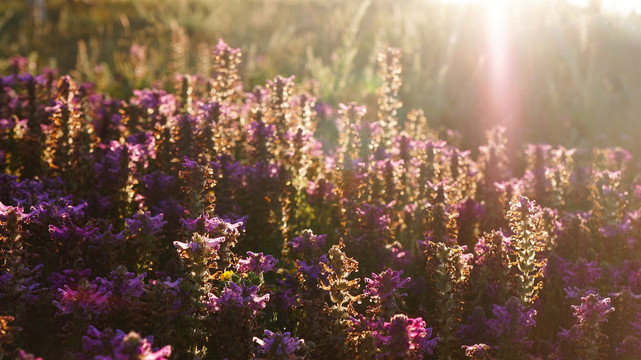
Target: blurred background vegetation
[(575, 73)]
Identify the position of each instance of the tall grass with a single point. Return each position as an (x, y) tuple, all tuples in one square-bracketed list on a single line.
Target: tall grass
[(576, 70)]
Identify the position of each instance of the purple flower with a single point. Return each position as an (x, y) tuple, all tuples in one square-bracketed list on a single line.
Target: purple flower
[(488, 249), (374, 216), (195, 246), (189, 164), (583, 274), (278, 345), (288, 291), (257, 263), (592, 309), (260, 136), (619, 155), (302, 141), (172, 285), (511, 320), (111, 164), (235, 295), (471, 210), (318, 193), (385, 288), (405, 338), (585, 338), (157, 103), (125, 284), (323, 110), (171, 207), (72, 232), (307, 245), (55, 211), (400, 257), (142, 148), (204, 224), (628, 274), (89, 299), (21, 282), (158, 183), (629, 348), (110, 345), (69, 277), (222, 48), (314, 270), (7, 212), (145, 224)]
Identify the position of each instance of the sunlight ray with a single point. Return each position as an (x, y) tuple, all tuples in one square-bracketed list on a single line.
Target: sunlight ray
[(502, 98)]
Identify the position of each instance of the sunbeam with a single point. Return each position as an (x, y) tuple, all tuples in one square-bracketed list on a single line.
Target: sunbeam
[(502, 100)]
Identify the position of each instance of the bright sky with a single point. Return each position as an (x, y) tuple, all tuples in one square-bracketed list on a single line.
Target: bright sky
[(621, 6)]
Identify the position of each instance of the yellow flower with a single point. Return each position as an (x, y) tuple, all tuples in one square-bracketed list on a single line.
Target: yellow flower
[(226, 275)]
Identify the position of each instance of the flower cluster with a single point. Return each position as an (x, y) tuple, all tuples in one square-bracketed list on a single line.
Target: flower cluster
[(238, 296), (585, 338), (405, 338), (235, 224), (109, 344), (278, 345), (384, 289)]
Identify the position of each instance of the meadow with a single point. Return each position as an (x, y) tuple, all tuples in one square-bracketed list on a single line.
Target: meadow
[(319, 180)]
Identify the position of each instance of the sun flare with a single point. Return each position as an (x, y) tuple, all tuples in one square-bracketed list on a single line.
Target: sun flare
[(502, 103)]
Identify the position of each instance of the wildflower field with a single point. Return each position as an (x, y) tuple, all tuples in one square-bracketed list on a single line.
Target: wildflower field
[(163, 204)]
